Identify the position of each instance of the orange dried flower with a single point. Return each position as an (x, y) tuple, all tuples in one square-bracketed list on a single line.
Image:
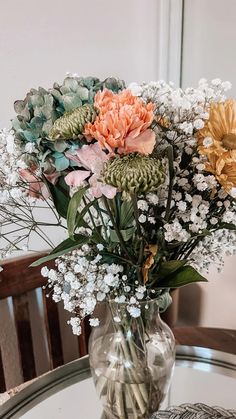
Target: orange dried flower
[(217, 141), (224, 169), (220, 128), (123, 123)]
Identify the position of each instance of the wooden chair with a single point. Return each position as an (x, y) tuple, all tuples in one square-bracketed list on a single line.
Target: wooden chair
[(34, 335)]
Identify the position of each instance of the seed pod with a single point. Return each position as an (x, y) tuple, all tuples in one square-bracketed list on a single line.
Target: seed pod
[(71, 124), (133, 174)]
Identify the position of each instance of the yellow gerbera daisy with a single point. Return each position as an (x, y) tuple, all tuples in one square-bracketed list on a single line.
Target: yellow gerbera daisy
[(219, 132), (217, 141), (224, 170)]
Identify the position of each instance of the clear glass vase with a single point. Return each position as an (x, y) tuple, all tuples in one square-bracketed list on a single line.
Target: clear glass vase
[(131, 360)]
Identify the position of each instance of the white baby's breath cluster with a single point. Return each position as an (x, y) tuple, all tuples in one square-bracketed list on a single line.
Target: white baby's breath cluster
[(199, 208), (81, 280), (10, 191), (211, 252), (17, 218), (199, 211), (10, 163), (180, 113)]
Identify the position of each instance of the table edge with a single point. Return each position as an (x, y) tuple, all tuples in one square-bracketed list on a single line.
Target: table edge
[(199, 358)]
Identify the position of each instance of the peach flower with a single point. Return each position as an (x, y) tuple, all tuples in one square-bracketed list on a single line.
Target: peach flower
[(123, 123), (92, 159)]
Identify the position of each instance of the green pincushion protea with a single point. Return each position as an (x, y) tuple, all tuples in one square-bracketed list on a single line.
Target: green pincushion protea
[(71, 124), (134, 174)]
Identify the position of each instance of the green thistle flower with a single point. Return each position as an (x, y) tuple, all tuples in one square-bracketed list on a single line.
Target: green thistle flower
[(133, 174), (71, 124)]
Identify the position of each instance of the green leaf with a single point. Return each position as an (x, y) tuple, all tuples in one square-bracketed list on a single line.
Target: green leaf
[(60, 200), (80, 222), (66, 246), (183, 276), (97, 235), (111, 258), (228, 226), (72, 212), (126, 234), (167, 268), (126, 214)]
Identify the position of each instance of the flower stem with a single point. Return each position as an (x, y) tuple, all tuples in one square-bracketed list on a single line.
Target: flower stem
[(119, 235), (170, 156)]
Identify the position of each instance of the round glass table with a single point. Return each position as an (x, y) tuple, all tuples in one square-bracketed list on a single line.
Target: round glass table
[(201, 375)]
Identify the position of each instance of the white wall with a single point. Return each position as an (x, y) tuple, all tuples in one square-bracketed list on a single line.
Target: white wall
[(209, 41), (209, 51), (41, 40)]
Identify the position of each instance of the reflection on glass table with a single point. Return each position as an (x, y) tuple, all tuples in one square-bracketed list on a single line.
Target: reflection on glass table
[(201, 375)]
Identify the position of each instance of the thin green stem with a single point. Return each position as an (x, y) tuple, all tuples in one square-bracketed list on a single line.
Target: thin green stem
[(170, 156), (119, 235), (140, 239)]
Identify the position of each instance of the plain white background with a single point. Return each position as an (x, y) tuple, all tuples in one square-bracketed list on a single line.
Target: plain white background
[(40, 41), (209, 51)]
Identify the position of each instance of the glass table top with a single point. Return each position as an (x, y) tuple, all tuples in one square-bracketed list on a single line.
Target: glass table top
[(201, 375)]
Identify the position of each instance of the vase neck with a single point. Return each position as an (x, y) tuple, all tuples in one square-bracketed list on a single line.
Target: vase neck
[(149, 311)]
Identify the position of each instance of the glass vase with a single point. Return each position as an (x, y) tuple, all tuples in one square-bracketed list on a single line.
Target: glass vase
[(131, 360)]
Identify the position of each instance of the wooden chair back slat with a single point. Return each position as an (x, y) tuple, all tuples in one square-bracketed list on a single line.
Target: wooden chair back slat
[(84, 337), (39, 330), (18, 278), (9, 345), (2, 379), (70, 344), (22, 318), (54, 334)]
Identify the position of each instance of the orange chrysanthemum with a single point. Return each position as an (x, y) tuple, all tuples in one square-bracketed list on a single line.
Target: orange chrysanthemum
[(217, 141), (123, 123)]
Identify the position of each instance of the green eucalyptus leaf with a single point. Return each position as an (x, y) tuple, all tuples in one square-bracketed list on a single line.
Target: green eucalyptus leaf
[(72, 212), (65, 247), (183, 276)]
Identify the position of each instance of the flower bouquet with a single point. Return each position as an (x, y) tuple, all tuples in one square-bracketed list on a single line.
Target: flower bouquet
[(143, 181)]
